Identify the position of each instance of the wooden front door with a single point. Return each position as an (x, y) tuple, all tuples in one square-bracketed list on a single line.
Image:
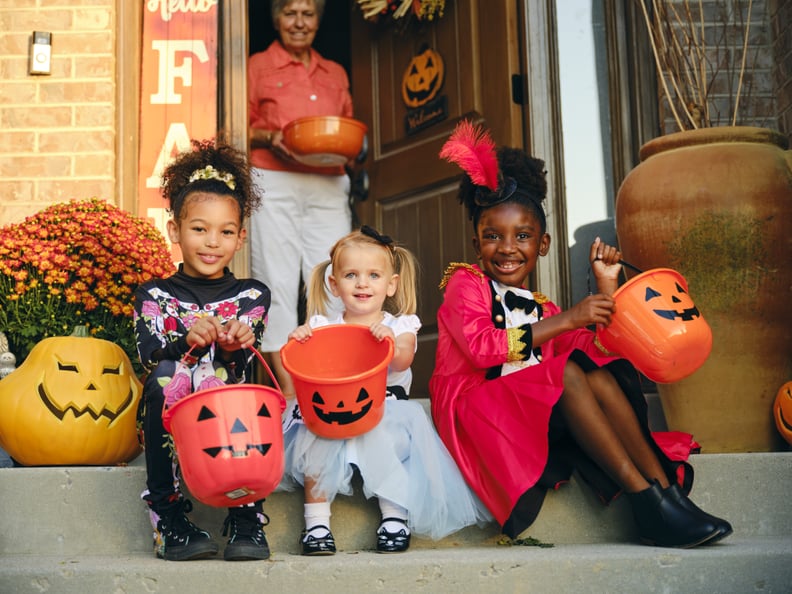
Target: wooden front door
[(412, 193)]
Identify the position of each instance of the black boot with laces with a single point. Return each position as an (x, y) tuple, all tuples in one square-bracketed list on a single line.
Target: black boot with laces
[(247, 540), (177, 538)]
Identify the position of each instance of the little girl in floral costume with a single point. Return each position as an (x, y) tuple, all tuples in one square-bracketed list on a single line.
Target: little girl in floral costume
[(194, 330)]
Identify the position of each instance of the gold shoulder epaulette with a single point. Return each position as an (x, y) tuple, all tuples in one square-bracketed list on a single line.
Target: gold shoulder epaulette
[(453, 267), (540, 298)]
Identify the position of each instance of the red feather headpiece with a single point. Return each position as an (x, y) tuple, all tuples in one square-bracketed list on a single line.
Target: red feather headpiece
[(473, 149)]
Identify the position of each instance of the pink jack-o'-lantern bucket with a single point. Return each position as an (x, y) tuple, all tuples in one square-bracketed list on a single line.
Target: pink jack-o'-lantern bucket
[(229, 441)]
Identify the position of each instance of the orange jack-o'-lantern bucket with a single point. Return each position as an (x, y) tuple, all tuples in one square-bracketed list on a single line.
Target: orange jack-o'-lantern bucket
[(229, 441), (340, 377), (657, 326)]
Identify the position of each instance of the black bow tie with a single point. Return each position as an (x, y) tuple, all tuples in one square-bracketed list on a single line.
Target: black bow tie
[(514, 301)]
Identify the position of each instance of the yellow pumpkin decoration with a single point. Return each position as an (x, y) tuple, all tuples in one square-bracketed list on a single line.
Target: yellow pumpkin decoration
[(423, 78), (782, 412), (72, 402)]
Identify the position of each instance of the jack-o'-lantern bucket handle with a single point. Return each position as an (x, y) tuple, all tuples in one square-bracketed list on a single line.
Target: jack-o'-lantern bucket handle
[(186, 359)]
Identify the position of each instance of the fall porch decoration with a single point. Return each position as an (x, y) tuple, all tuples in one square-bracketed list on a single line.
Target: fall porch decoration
[(72, 402), (76, 263), (401, 12), (702, 54)]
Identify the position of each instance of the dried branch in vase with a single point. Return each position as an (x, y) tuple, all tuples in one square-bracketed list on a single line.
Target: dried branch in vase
[(701, 50)]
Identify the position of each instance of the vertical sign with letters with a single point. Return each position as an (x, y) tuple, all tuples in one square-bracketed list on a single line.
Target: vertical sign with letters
[(178, 100)]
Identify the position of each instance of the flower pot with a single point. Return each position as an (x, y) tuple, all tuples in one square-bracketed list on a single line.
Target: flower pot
[(715, 204)]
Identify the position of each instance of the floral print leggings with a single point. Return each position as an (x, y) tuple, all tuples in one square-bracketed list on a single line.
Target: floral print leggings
[(165, 385)]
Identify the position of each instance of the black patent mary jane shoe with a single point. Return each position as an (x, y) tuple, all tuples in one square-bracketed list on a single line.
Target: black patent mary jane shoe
[(313, 546), (393, 542)]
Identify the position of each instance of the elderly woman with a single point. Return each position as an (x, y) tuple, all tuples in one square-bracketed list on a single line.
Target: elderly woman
[(305, 209)]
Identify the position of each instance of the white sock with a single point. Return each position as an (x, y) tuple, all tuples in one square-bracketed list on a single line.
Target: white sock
[(389, 510), (317, 514)]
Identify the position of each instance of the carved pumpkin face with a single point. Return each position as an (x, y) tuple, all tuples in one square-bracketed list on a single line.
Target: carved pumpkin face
[(73, 401), (343, 413), (423, 78), (670, 300), (229, 441), (782, 412)]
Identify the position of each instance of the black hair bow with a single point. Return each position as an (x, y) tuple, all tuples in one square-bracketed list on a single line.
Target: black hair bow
[(371, 232)]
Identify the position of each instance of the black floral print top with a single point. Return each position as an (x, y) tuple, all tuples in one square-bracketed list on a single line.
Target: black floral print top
[(166, 309)]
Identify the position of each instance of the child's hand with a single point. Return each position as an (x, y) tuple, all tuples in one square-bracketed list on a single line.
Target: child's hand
[(380, 331), (301, 333), (204, 331), (235, 335), (605, 265), (594, 309)]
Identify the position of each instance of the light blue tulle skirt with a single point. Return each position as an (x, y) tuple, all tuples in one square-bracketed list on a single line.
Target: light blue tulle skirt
[(402, 459)]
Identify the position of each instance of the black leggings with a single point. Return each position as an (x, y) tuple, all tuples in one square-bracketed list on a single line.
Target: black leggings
[(162, 469)]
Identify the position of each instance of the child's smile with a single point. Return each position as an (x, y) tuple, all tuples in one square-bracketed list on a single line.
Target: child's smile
[(209, 234), (363, 281), (509, 240)]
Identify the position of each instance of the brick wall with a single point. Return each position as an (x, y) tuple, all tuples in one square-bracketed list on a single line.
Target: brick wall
[(781, 25), (57, 131)]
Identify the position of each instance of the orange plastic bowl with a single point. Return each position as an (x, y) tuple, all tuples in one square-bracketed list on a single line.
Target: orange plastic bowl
[(340, 377), (324, 141)]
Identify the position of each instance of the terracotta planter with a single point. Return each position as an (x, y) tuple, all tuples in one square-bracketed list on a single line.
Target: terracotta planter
[(716, 205)]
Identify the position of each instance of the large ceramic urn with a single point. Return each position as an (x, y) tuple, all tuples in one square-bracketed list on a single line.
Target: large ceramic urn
[(716, 205)]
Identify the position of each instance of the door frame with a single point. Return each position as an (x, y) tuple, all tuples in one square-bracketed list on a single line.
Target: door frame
[(543, 136), (628, 82)]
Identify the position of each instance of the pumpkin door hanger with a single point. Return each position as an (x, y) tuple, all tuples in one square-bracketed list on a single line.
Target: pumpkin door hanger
[(340, 377), (423, 78), (657, 326)]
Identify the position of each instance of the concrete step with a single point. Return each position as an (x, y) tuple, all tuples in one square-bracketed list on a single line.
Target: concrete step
[(85, 529), (739, 564), (70, 510)]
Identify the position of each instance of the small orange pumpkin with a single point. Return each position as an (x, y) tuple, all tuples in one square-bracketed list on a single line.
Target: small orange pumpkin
[(72, 402), (423, 78), (782, 411)]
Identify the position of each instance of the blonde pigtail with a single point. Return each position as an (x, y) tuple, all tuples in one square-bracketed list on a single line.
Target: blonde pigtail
[(406, 297), (317, 297)]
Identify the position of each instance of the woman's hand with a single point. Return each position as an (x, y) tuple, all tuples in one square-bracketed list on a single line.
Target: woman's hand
[(278, 147), (301, 333)]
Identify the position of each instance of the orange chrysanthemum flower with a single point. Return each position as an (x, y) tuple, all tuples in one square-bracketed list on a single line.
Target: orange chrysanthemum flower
[(76, 263)]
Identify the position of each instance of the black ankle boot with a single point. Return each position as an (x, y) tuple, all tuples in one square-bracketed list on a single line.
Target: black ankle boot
[(675, 493), (663, 522)]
